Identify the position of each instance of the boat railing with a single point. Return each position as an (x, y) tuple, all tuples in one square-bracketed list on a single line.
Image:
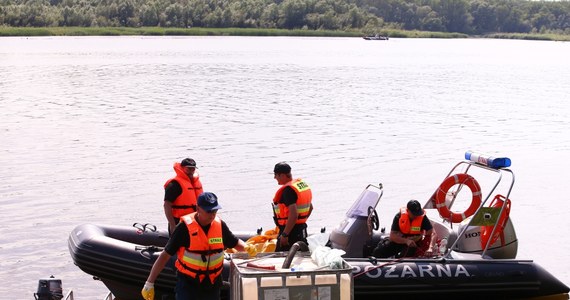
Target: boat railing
[(109, 296), (69, 296), (499, 172)]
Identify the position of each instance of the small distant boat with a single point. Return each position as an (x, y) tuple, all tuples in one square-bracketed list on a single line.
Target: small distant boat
[(375, 37)]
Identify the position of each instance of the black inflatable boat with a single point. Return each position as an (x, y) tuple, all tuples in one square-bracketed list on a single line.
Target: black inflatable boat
[(478, 263)]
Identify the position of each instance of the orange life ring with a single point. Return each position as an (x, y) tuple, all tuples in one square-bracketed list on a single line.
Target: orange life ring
[(498, 202), (460, 178)]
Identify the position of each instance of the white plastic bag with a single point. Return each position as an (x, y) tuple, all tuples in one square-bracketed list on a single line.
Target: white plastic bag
[(325, 256), (315, 240)]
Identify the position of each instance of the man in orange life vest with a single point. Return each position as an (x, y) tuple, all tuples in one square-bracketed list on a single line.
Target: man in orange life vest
[(181, 192), (291, 207), (411, 234), (198, 241)]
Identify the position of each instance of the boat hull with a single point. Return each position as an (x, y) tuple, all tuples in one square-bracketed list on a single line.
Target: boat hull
[(465, 279), (121, 257), (375, 38)]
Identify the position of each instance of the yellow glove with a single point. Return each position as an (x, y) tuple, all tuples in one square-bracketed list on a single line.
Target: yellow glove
[(148, 291), (251, 250)]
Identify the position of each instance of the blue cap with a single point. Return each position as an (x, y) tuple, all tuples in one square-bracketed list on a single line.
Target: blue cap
[(208, 201)]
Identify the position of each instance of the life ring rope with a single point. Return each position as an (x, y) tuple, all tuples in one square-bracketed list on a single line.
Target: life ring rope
[(441, 194)]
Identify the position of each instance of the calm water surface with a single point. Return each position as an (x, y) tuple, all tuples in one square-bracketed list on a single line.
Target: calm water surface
[(90, 127)]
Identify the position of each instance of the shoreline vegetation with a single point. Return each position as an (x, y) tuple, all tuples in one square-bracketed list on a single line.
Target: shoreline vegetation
[(6, 31)]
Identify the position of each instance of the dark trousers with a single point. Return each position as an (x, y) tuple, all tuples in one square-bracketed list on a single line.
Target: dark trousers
[(298, 233), (387, 248), (189, 289)]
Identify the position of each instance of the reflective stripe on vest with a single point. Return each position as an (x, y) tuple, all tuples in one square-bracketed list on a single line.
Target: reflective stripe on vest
[(304, 198), (205, 256)]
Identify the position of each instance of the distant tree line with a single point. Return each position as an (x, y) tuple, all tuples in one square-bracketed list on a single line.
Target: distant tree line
[(464, 16), (474, 16)]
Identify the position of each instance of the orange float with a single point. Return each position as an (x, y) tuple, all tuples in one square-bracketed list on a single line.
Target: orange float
[(460, 178)]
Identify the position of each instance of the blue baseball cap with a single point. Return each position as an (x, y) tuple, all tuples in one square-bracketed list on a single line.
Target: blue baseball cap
[(208, 201)]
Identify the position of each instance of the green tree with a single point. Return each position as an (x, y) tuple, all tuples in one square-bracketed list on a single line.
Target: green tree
[(175, 16), (456, 16), (428, 19), (467, 16), (292, 13), (484, 17), (356, 18), (149, 14), (510, 18), (543, 19), (125, 11), (270, 16)]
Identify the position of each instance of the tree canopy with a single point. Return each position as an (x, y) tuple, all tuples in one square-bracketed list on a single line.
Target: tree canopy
[(462, 16)]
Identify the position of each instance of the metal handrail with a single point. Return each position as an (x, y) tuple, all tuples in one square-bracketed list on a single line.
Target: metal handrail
[(109, 296), (69, 295), (500, 175)]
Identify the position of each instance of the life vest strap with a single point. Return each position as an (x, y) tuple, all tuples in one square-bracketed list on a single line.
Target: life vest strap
[(184, 206)]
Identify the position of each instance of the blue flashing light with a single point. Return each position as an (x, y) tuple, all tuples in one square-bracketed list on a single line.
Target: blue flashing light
[(489, 161)]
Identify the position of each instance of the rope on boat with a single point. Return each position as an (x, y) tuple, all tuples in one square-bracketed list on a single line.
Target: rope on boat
[(384, 264), (379, 266)]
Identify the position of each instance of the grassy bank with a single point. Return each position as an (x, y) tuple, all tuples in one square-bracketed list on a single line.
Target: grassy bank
[(160, 31), (530, 36)]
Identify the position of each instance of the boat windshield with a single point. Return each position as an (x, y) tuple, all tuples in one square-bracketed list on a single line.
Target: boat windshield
[(368, 198)]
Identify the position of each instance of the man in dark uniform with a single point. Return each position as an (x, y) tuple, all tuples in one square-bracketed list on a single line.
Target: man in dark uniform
[(181, 192), (291, 207), (411, 232), (194, 283)]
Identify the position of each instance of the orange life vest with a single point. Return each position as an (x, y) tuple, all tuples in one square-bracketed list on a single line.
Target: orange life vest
[(304, 197), (205, 256), (191, 189), (410, 228)]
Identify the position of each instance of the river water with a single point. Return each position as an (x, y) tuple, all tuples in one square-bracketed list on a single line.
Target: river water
[(90, 128)]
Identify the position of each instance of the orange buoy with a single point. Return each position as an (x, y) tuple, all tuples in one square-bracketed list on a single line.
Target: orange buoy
[(460, 178)]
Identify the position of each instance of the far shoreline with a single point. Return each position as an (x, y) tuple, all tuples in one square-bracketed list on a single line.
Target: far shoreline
[(199, 31)]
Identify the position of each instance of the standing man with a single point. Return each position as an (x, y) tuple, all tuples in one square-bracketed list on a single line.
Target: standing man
[(198, 241), (411, 234), (291, 207), (181, 192)]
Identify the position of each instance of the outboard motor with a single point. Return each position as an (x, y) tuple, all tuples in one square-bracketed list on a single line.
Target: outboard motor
[(49, 289), (504, 248)]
